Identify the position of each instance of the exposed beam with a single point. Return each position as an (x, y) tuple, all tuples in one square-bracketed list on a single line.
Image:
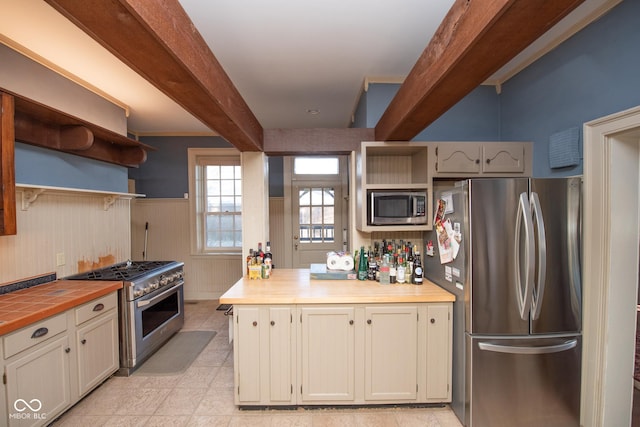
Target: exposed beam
[(158, 40), (8, 222), (475, 39), (288, 142)]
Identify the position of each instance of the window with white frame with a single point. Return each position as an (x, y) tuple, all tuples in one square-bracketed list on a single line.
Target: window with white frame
[(216, 205)]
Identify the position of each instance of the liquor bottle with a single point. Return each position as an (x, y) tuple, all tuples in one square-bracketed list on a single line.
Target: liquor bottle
[(392, 271), (371, 271), (362, 265), (249, 260), (417, 270), (384, 270), (400, 273), (268, 259), (260, 254)]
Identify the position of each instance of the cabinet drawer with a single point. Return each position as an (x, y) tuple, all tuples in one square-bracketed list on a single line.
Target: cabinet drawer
[(96, 307), (34, 334)]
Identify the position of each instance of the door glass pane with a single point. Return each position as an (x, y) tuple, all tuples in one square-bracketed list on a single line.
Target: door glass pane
[(316, 196), (304, 196)]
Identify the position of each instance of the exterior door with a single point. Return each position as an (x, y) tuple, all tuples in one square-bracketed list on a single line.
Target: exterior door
[(317, 222)]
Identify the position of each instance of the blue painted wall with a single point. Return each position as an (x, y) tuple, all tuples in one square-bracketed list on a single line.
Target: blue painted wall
[(165, 174), (40, 166), (475, 118), (593, 74)]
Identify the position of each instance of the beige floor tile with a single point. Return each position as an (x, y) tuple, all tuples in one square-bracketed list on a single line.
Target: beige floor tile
[(127, 421), (209, 421), (167, 421), (333, 419), (181, 401), (144, 401)]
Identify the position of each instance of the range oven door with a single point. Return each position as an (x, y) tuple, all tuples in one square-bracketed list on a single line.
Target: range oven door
[(154, 318)]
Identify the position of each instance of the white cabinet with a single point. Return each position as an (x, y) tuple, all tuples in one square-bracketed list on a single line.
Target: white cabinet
[(38, 378), (97, 342), (438, 355), (51, 364), (391, 352), (327, 354), (342, 354), (468, 159), (264, 357), (392, 166)]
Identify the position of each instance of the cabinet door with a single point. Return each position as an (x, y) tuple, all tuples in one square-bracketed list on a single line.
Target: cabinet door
[(327, 347), (246, 351), (97, 343), (38, 386), (458, 158), (281, 356), (391, 352), (503, 158), (438, 358)]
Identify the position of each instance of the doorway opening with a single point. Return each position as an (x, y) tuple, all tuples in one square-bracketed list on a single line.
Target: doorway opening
[(612, 253)]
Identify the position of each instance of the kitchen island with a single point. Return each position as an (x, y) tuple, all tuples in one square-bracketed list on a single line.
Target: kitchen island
[(299, 341)]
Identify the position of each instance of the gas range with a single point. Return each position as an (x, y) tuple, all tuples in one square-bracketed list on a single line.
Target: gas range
[(140, 277), (151, 306)]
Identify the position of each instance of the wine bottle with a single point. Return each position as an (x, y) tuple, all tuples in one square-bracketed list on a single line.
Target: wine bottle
[(417, 269), (362, 265)]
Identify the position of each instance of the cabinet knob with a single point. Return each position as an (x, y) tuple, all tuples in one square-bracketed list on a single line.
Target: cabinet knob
[(273, 323), (433, 320), (84, 341), (477, 161), (351, 322), (67, 350), (368, 321), (488, 161), (255, 323)]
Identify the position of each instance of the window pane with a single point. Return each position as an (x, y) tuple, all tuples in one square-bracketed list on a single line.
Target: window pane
[(226, 222), (316, 215), (238, 204), (304, 197), (305, 215), (213, 204), (315, 166), (304, 234), (227, 187), (213, 172), (213, 187), (329, 196), (238, 185), (213, 222), (316, 196), (227, 172), (328, 215)]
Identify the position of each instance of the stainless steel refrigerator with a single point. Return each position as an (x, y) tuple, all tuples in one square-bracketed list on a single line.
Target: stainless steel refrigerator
[(518, 310)]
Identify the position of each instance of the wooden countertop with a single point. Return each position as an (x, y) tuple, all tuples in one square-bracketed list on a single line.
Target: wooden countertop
[(294, 286), (26, 306)]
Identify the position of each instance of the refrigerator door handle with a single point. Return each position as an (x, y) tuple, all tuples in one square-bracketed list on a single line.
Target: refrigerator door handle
[(524, 215), (538, 290), (545, 349)]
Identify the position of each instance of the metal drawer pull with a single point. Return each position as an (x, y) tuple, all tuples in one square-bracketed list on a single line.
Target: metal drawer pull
[(98, 307), (84, 341), (40, 332)]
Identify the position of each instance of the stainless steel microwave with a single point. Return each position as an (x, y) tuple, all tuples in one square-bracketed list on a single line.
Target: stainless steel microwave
[(396, 207)]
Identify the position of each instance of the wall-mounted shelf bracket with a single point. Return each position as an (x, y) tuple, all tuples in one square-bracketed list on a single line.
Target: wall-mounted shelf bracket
[(29, 196)]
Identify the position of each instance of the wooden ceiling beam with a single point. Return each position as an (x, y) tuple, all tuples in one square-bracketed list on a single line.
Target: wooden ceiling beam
[(475, 39), (158, 40)]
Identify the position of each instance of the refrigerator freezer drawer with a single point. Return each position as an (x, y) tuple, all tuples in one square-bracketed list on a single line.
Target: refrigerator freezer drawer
[(524, 382)]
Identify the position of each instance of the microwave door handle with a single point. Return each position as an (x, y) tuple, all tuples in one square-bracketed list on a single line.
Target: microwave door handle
[(372, 209)]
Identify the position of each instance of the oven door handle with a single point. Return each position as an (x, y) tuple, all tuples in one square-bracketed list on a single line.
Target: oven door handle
[(156, 298)]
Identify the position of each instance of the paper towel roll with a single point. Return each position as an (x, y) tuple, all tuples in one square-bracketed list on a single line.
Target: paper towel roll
[(337, 261)]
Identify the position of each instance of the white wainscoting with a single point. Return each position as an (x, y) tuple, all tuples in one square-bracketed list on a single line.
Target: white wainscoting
[(70, 228), (206, 277)]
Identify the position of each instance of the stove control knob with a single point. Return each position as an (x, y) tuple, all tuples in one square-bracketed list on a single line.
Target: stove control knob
[(138, 293), (154, 284), (147, 289), (180, 274), (164, 280)]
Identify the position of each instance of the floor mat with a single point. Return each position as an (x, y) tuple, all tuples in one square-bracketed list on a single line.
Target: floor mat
[(177, 354)]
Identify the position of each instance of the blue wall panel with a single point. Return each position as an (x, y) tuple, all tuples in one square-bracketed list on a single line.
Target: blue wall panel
[(474, 118), (593, 74), (40, 166)]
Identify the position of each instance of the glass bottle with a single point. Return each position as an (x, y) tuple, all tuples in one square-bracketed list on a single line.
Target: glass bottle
[(417, 269), (268, 259), (384, 270), (400, 273), (362, 265)]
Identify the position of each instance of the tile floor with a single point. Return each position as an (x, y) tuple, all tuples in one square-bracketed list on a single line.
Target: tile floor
[(203, 396)]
